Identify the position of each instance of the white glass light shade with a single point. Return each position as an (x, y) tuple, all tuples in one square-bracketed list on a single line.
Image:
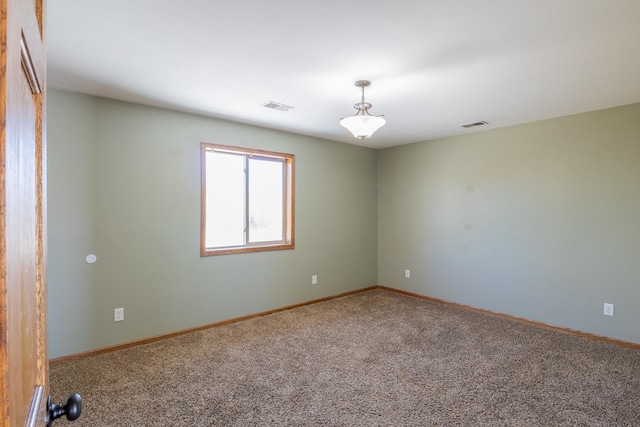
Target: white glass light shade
[(363, 126)]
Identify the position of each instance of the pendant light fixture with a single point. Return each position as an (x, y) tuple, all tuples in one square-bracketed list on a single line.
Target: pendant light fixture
[(362, 125)]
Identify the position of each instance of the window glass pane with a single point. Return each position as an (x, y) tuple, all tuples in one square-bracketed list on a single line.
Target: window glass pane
[(225, 209), (266, 200)]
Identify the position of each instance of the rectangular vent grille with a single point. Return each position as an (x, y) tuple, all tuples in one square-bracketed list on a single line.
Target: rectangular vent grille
[(472, 125), (277, 106)]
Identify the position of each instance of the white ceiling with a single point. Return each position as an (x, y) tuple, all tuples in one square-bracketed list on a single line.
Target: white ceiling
[(433, 64)]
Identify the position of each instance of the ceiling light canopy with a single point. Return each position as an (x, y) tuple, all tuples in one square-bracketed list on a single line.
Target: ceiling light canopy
[(362, 125)]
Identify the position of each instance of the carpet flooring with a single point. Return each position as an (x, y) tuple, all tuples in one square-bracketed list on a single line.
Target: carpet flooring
[(376, 358)]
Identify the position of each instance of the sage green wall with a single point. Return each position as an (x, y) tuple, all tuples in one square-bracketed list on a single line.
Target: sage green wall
[(538, 220), (71, 212), (124, 183)]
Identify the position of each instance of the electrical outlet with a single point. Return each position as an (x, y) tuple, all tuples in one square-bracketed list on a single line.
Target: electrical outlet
[(118, 314), (608, 309), (314, 279), (407, 274)]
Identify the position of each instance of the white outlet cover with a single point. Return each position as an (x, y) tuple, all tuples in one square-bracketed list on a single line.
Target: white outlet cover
[(608, 309), (118, 314), (407, 274)]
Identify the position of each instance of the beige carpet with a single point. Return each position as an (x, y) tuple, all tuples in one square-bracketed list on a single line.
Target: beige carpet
[(372, 359)]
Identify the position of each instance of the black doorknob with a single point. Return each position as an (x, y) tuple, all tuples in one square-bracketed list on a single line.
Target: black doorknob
[(72, 409)]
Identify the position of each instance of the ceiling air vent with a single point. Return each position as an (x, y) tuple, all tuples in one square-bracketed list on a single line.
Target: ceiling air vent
[(277, 106), (472, 125)]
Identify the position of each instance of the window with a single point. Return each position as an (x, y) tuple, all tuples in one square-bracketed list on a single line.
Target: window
[(247, 200)]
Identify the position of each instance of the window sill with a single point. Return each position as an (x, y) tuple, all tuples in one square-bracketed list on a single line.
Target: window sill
[(246, 249)]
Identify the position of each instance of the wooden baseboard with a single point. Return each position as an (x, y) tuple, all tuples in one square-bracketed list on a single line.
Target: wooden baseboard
[(197, 328), (576, 332), (289, 307)]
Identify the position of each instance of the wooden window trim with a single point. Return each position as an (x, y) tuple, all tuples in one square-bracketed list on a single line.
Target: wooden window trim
[(289, 196)]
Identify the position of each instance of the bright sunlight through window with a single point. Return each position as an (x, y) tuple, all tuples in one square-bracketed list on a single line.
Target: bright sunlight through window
[(247, 200)]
